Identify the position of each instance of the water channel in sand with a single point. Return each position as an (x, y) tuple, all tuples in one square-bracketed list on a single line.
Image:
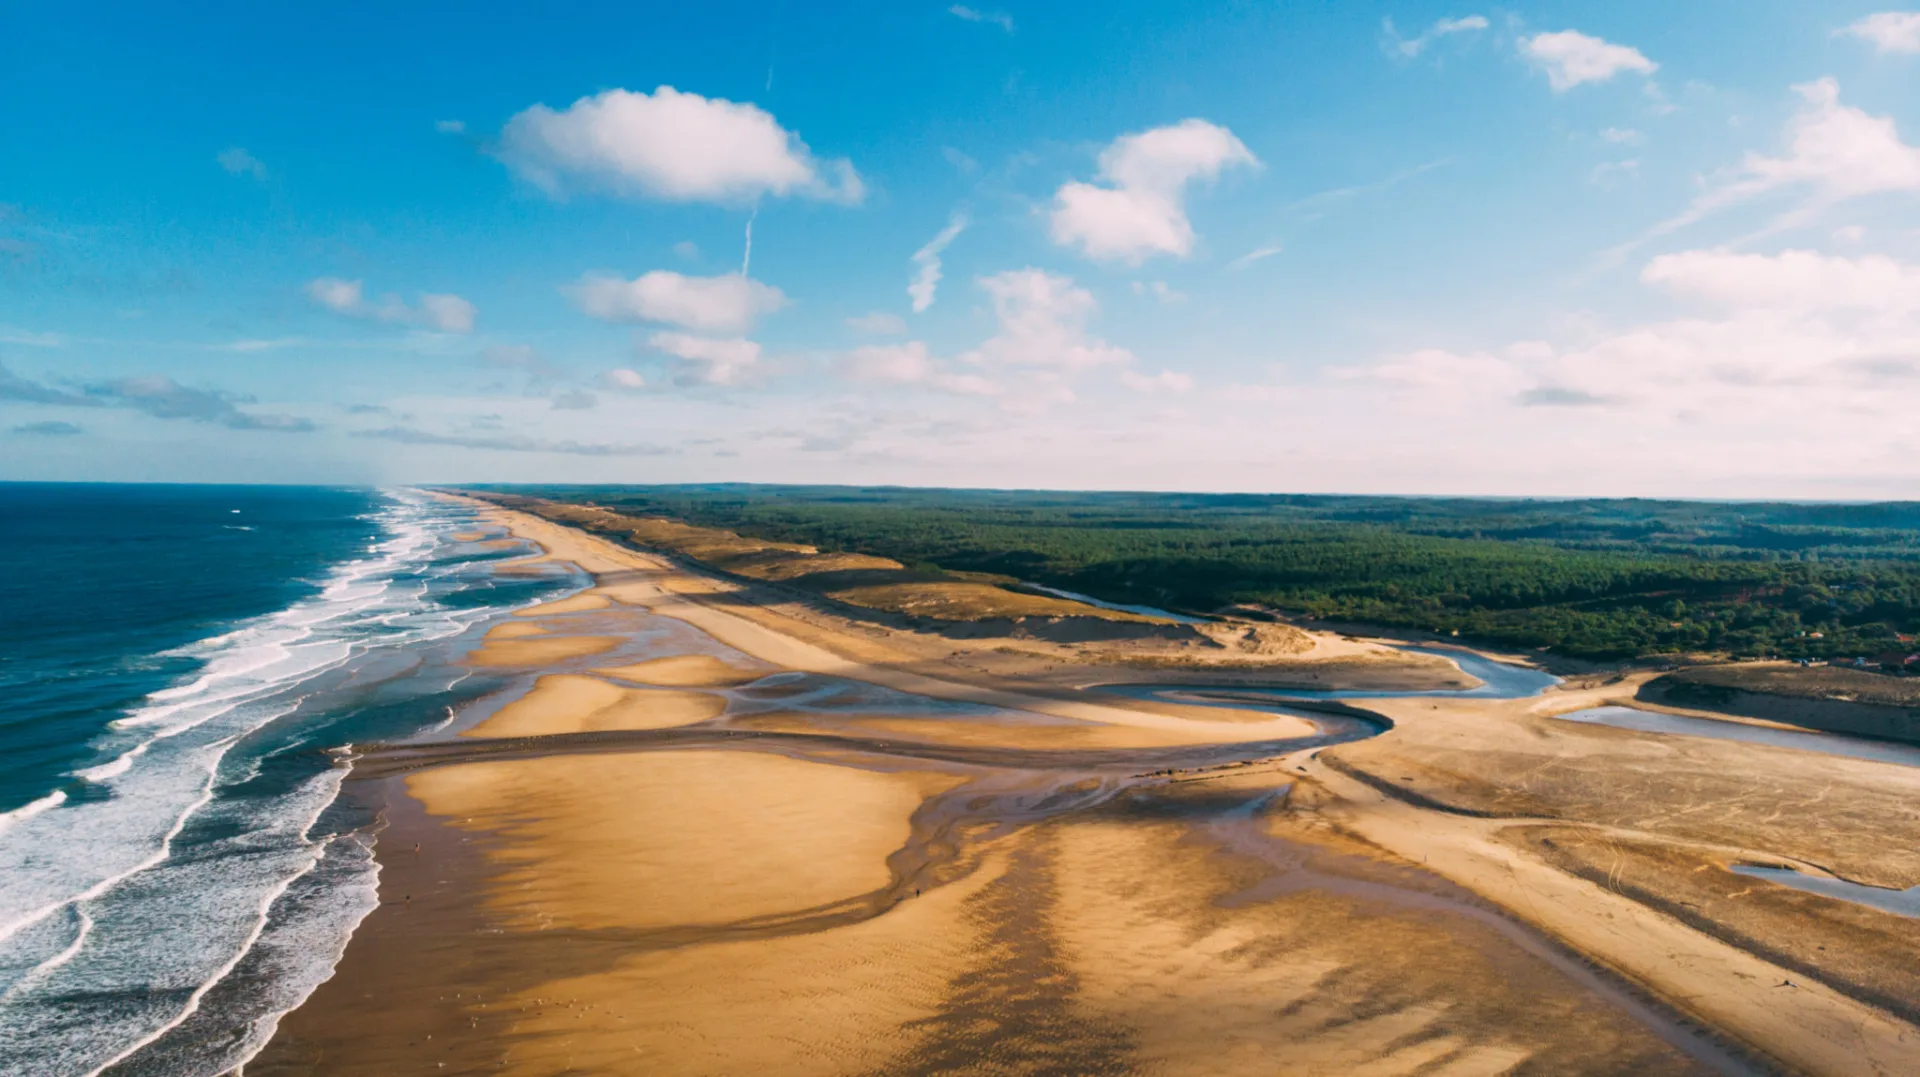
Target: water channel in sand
[(1898, 902), (1112, 875), (1499, 680), (1877, 751)]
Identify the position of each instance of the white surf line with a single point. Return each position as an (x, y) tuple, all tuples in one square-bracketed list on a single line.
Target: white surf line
[(269, 1025), (160, 854), (316, 850), (193, 1001), (246, 947), (32, 808), (231, 700), (46, 968)]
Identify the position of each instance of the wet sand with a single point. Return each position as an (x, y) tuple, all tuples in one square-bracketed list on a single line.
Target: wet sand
[(988, 874)]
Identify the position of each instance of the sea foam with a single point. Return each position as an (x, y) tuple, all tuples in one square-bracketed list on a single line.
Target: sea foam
[(182, 892)]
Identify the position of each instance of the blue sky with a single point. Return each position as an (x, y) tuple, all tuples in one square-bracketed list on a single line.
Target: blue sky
[(1619, 248)]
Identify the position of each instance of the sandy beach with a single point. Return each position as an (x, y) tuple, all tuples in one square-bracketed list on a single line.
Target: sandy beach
[(713, 830)]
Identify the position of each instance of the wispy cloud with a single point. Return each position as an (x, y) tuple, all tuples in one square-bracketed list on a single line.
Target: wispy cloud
[(926, 260), (1835, 153), (878, 324), (1410, 47), (442, 312), (239, 162), (1312, 204), (155, 395), (1255, 255), (971, 14), (50, 429), (260, 344), (164, 398), (407, 435), (27, 391), (1160, 290), (27, 339)]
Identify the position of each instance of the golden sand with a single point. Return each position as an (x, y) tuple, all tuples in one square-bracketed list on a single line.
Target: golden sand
[(684, 671), (571, 703), (661, 838), (698, 912), (538, 652), (844, 1000)]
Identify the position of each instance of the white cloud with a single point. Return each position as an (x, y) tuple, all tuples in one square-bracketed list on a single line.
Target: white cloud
[(1042, 324), (687, 249), (1571, 58), (1159, 290), (30, 339), (574, 400), (676, 146), (1803, 345), (442, 312), (1167, 381), (997, 18), (450, 127), (1040, 345), (709, 360), (1608, 172), (1835, 152), (927, 264), (339, 296), (1141, 212), (623, 379), (241, 163), (1890, 31), (1621, 136), (1794, 280), (1851, 233), (1840, 149), (1414, 46), (878, 323), (911, 364), (899, 364), (729, 303), (448, 313)]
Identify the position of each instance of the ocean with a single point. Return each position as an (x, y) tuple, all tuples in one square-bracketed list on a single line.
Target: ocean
[(182, 668)]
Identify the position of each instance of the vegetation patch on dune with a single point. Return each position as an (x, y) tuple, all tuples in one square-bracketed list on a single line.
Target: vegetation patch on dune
[(1592, 578)]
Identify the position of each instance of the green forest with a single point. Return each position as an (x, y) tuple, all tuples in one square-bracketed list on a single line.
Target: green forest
[(1591, 578)]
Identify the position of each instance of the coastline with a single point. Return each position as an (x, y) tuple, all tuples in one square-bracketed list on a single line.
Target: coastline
[(465, 872)]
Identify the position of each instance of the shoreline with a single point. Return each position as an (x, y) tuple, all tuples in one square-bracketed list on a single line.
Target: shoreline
[(632, 579)]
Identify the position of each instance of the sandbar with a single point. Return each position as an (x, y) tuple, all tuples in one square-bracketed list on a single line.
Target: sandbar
[(536, 652), (684, 671), (671, 838), (571, 703)]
